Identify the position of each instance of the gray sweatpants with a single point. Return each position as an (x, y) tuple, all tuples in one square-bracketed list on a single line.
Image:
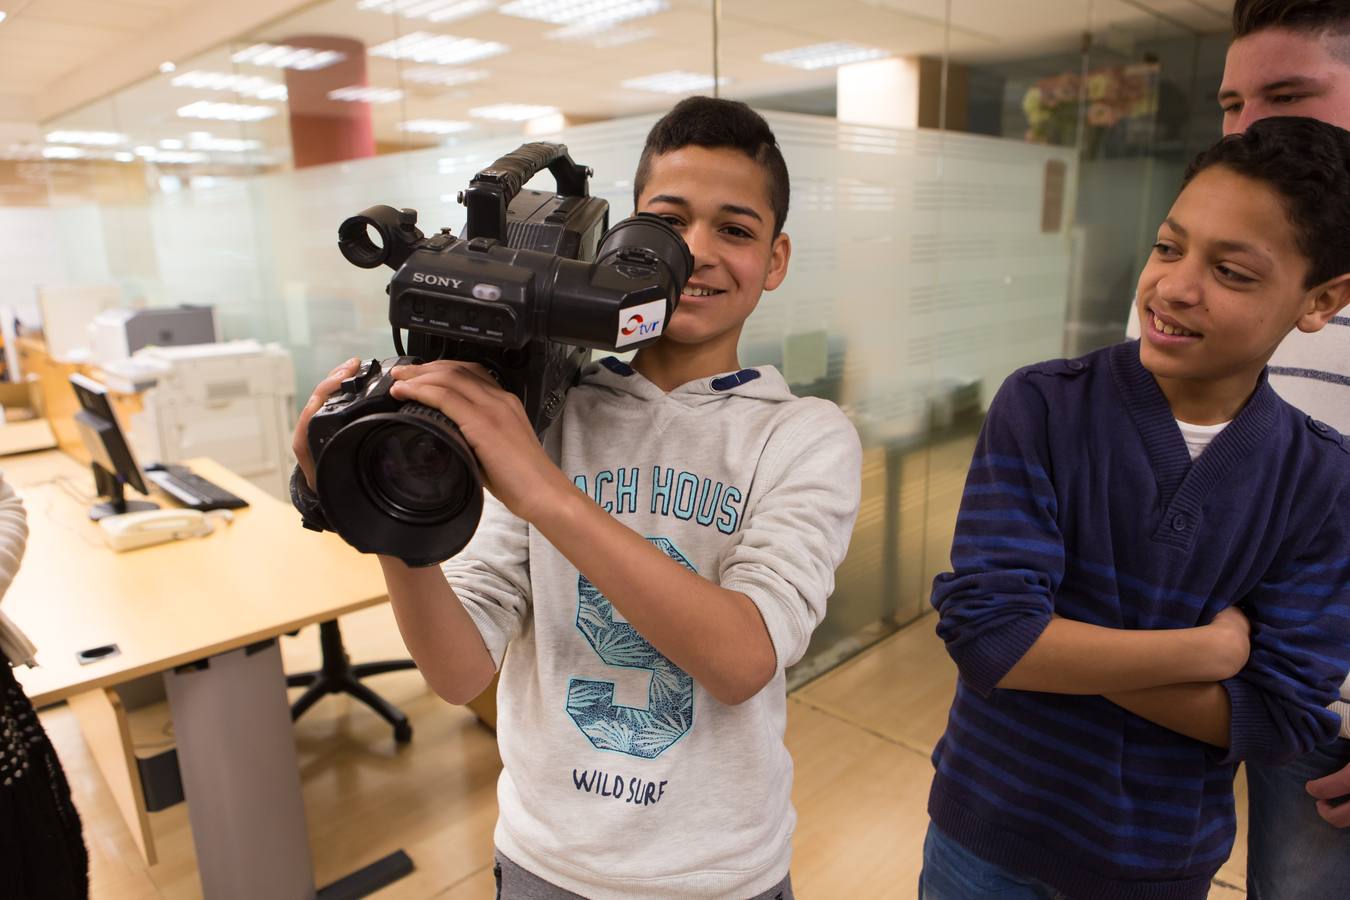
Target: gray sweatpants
[(515, 883)]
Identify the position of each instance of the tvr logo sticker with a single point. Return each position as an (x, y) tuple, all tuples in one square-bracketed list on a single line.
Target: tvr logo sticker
[(637, 326), (641, 323)]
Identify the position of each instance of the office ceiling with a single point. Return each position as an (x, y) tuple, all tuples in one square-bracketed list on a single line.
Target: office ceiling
[(57, 55), (41, 40), (48, 42)]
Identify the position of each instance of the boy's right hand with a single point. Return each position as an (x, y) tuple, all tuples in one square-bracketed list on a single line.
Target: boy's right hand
[(325, 389), (1232, 634)]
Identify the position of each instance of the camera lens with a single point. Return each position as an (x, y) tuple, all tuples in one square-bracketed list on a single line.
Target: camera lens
[(403, 483), (413, 474)]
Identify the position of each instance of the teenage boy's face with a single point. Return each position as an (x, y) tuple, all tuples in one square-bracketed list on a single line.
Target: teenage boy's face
[(1224, 283), (1278, 72), (718, 200)]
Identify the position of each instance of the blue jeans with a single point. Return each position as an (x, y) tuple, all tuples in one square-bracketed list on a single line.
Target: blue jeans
[(1292, 852), (951, 872)]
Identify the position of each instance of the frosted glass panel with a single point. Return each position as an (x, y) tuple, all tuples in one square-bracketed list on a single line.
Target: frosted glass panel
[(29, 256), (926, 267)]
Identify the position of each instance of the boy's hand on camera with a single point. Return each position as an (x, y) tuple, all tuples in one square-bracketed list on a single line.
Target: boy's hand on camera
[(324, 390), (1233, 639), (515, 467)]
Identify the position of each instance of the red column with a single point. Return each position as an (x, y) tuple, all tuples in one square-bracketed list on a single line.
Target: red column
[(324, 130)]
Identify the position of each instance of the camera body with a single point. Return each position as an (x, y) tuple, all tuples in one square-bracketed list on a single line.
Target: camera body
[(535, 281), (493, 302)]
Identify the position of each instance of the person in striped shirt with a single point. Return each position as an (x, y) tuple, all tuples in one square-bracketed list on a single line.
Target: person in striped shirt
[(1292, 57), (1152, 551)]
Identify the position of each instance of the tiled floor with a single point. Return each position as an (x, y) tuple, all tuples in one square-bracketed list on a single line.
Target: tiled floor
[(860, 736)]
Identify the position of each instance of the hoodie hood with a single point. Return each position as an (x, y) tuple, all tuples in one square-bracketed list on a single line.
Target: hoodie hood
[(623, 381)]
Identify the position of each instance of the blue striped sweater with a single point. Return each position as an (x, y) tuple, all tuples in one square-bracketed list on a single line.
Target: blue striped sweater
[(1082, 500)]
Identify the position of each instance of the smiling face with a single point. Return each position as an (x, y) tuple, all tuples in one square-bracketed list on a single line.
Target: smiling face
[(718, 200), (1225, 282), (1283, 72)]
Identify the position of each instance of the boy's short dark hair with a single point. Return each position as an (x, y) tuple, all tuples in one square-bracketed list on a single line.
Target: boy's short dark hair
[(1306, 162), (1317, 16), (715, 123)]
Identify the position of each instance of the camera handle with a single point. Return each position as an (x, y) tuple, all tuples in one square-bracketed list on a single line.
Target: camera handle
[(492, 190)]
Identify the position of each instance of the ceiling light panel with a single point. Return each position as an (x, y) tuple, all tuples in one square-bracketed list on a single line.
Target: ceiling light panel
[(431, 10), (284, 56), (572, 12), (512, 112), (226, 112), (434, 126), (175, 157), (676, 82), (243, 85), (443, 49), (601, 35), (88, 138), (445, 77), (361, 94), (205, 141), (63, 153), (825, 56)]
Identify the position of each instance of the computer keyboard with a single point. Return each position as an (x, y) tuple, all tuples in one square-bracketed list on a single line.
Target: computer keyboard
[(191, 489)]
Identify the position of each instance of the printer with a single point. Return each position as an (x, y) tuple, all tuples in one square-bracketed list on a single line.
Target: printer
[(118, 333), (230, 401)]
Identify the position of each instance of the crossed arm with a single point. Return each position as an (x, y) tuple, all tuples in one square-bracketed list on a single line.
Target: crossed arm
[(1170, 677)]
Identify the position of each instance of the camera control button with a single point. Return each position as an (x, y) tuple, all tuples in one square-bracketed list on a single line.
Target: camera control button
[(487, 292), (358, 380), (481, 244)]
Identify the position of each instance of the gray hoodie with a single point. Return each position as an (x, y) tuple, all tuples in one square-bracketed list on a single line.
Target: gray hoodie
[(623, 777)]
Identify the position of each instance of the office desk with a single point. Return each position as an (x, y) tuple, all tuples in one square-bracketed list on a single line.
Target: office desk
[(205, 613)]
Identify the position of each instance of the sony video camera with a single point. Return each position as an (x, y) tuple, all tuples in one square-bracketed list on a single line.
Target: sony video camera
[(534, 282)]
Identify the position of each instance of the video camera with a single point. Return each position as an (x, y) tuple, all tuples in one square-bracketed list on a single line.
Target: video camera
[(535, 281)]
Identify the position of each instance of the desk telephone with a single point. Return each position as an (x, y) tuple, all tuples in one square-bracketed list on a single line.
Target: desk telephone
[(155, 526)]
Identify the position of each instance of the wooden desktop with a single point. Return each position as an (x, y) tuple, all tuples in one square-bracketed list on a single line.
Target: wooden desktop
[(205, 613)]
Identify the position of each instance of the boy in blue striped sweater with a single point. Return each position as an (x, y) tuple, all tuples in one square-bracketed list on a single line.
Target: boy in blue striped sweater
[(1118, 509)]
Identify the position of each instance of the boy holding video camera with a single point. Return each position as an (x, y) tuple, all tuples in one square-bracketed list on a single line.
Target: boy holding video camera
[(655, 565)]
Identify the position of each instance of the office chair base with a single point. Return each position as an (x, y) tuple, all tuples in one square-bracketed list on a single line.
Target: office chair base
[(339, 676), (366, 881)]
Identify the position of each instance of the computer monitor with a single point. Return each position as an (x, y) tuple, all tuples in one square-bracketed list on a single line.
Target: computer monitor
[(113, 464)]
